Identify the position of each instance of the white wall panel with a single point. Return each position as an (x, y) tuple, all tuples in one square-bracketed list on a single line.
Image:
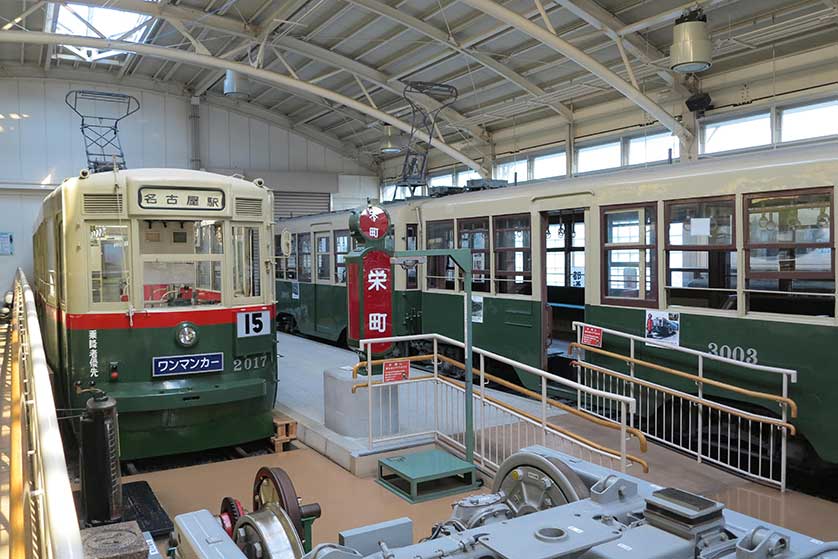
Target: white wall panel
[(32, 130), (24, 206), (260, 137), (62, 131), (218, 140), (152, 119), (239, 142), (316, 156), (354, 190), (10, 161), (178, 135), (279, 149), (298, 153)]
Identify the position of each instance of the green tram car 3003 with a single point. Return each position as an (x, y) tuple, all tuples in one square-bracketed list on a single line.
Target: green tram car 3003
[(742, 247), (154, 285)]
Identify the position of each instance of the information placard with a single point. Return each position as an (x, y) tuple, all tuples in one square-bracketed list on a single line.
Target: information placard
[(592, 336), (395, 371)]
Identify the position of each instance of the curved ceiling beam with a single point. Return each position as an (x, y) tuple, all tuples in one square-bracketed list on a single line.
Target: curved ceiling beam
[(265, 76), (442, 37), (586, 61)]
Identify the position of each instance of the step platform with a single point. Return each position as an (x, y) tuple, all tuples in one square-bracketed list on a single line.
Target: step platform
[(427, 475)]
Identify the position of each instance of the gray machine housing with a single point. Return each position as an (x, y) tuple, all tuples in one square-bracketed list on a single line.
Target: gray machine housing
[(606, 515)]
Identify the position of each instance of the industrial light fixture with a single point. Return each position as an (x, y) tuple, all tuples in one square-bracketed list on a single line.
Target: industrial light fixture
[(236, 85), (388, 146), (692, 49)]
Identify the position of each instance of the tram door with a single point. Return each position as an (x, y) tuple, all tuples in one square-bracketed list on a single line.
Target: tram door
[(563, 283)]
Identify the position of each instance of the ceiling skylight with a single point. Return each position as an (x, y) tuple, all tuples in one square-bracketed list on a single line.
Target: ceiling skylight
[(102, 23)]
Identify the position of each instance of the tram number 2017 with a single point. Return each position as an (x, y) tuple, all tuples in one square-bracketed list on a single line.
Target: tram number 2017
[(249, 363), (744, 354)]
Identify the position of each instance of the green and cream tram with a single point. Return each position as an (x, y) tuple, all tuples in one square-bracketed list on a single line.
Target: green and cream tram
[(741, 247), (155, 286)]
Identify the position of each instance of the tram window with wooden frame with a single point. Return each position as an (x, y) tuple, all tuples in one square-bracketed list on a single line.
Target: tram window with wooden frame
[(789, 259), (291, 260), (324, 256), (247, 278), (701, 252), (629, 265), (411, 238), (304, 257), (280, 261), (565, 249), (342, 248), (473, 234), (108, 262), (440, 272), (513, 254)]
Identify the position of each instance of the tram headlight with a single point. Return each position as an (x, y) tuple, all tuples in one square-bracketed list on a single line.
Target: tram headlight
[(187, 335)]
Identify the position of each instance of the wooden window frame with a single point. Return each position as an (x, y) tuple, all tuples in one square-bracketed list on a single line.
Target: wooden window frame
[(487, 251), (668, 247), (645, 248), (300, 259), (317, 254), (568, 249), (414, 284), (428, 277), (748, 246), (502, 275), (341, 233)]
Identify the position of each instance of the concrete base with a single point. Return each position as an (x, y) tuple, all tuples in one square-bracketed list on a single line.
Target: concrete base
[(348, 414)]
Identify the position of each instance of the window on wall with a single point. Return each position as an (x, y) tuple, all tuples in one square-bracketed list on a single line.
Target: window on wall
[(464, 176), (565, 249), (512, 171), (547, 166), (737, 133), (440, 269), (701, 253), (789, 259), (599, 157), (630, 269), (342, 248), (78, 19), (324, 256), (513, 254), (441, 180), (412, 243), (304, 257), (809, 121), (651, 149), (247, 279), (474, 234)]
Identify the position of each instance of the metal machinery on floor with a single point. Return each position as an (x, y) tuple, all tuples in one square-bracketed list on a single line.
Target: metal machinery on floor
[(278, 527), (544, 505)]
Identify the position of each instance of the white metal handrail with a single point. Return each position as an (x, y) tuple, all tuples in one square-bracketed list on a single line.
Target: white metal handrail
[(384, 430), (54, 530), (697, 414)]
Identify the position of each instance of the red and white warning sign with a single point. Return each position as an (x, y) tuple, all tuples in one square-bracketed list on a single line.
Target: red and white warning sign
[(395, 371), (592, 336)]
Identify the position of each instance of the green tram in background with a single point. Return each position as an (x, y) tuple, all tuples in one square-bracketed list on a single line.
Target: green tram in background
[(154, 285), (743, 247)]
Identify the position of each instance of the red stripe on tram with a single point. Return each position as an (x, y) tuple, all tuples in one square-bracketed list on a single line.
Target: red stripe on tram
[(158, 319)]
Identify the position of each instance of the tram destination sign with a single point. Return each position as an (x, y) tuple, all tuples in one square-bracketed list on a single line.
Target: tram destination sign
[(174, 365), (181, 199)]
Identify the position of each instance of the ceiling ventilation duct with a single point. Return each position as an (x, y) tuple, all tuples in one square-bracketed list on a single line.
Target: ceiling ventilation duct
[(692, 49), (236, 85)]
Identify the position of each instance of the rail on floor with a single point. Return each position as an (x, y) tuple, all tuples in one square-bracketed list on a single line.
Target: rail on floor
[(434, 405), (42, 516), (701, 416)]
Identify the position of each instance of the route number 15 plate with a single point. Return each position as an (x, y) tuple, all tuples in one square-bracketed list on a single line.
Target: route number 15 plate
[(253, 323)]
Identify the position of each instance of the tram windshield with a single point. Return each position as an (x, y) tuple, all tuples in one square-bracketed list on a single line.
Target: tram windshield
[(182, 262)]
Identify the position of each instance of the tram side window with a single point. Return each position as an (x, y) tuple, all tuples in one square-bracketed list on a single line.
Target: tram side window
[(342, 245), (474, 234), (440, 235), (789, 260), (247, 279), (304, 257), (108, 261), (291, 261), (280, 261), (513, 254), (324, 256), (565, 249), (412, 243), (701, 253), (630, 270)]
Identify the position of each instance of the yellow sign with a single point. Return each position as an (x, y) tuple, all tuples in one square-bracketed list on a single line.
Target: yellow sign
[(189, 199)]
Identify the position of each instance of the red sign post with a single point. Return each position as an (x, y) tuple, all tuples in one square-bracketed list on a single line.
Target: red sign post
[(395, 371), (592, 336)]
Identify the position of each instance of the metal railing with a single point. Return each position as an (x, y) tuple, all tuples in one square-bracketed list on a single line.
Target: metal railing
[(717, 431), (431, 404), (43, 521)]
